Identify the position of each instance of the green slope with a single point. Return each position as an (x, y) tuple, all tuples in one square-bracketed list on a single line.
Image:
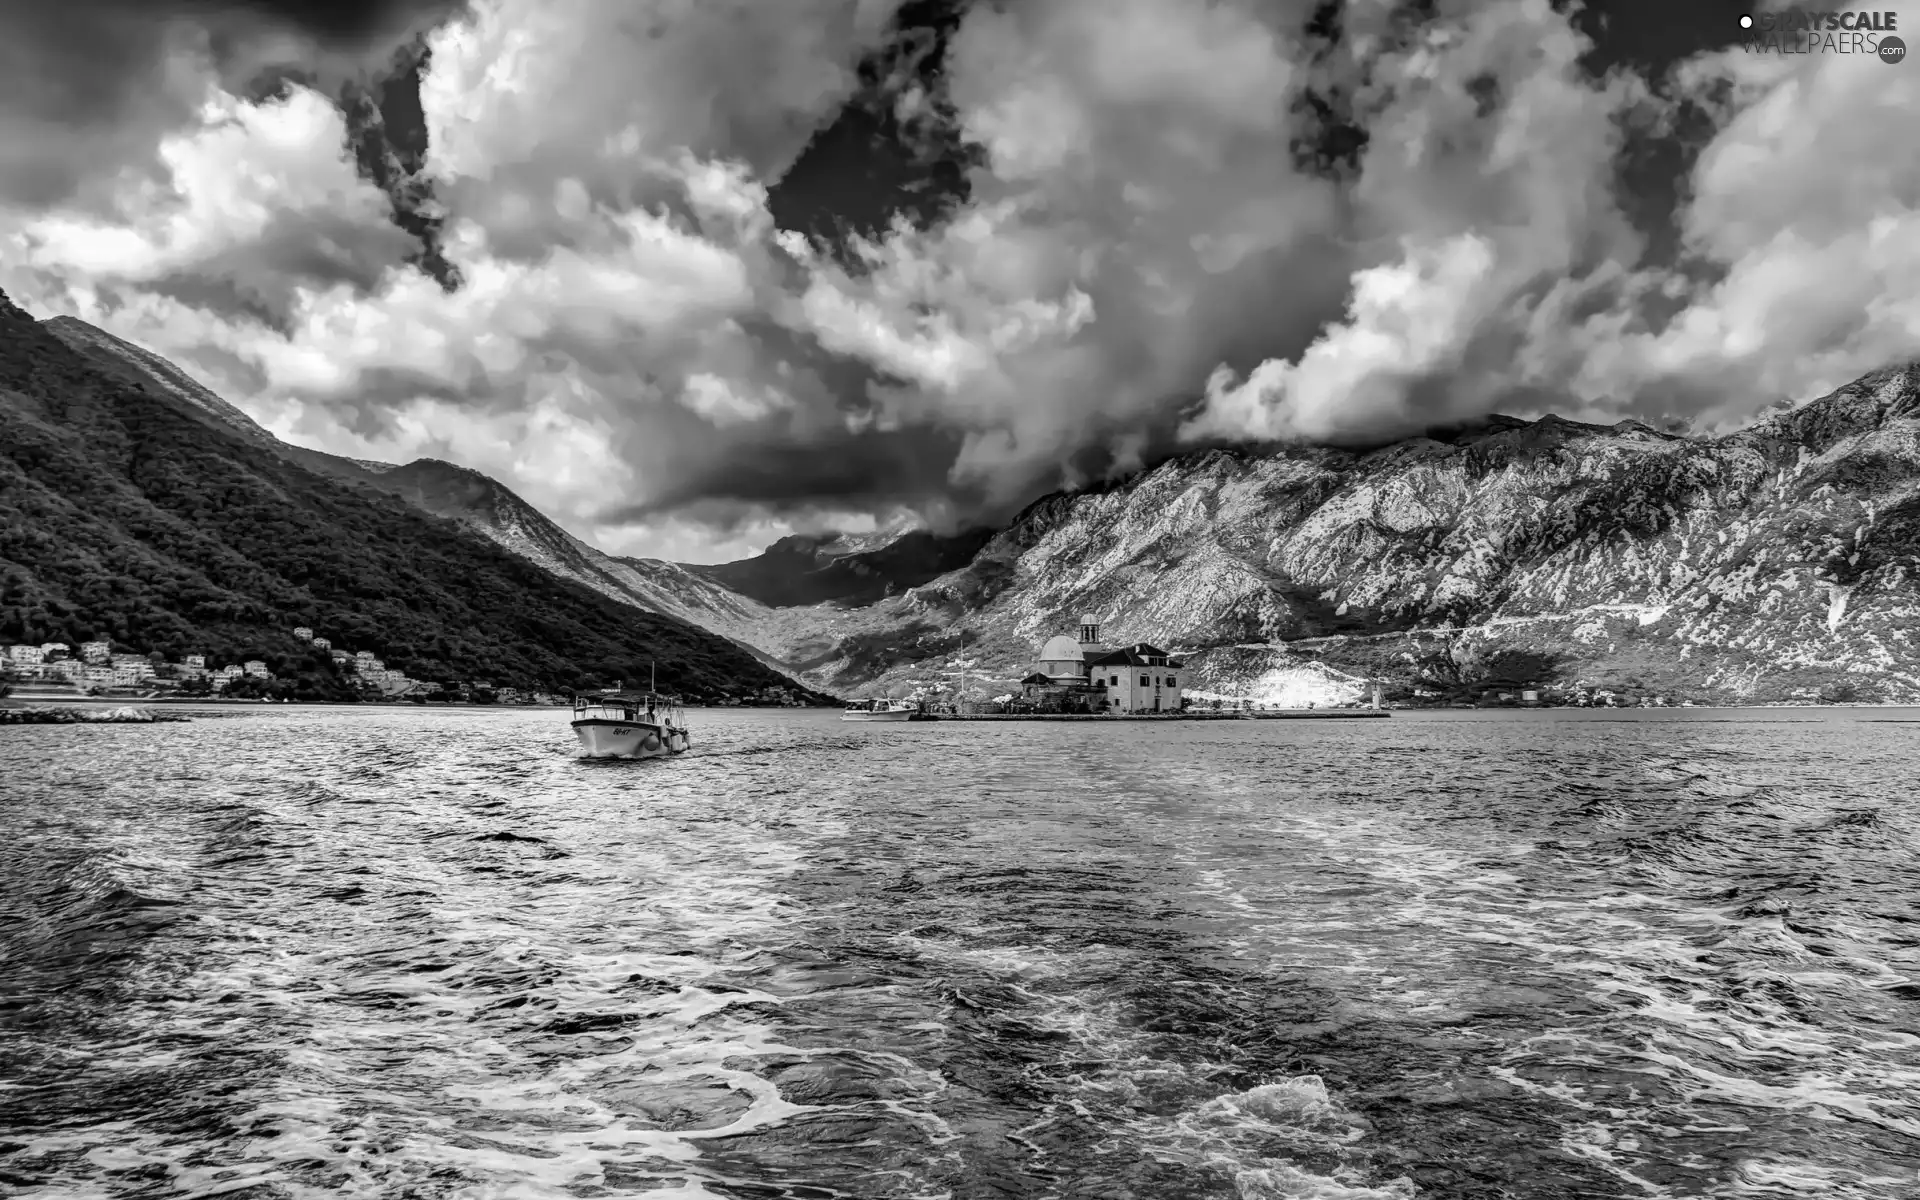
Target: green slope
[(121, 514)]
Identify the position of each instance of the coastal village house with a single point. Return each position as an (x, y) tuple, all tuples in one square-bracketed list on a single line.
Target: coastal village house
[(98, 668), (129, 674), (1085, 675)]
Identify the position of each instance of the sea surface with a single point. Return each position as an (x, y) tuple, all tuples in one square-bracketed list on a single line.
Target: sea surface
[(1532, 956)]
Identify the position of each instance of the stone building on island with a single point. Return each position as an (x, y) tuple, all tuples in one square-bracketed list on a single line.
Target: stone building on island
[(1086, 675)]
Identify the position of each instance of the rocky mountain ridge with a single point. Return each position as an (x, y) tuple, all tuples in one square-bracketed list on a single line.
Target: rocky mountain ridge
[(847, 569), (1778, 562)]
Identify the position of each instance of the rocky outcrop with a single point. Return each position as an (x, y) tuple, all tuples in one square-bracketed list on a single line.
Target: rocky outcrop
[(86, 716)]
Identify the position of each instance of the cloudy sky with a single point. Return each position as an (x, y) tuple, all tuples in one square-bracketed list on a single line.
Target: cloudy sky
[(692, 274)]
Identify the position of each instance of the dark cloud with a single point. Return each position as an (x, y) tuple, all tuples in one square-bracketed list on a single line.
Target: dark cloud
[(90, 86), (768, 471), (388, 134), (893, 150)]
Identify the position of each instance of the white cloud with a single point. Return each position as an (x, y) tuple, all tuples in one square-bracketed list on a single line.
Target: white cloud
[(1805, 220), (241, 173), (1138, 182), (1408, 321), (1487, 182)]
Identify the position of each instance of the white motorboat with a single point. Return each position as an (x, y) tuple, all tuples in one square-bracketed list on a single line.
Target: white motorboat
[(617, 724), (880, 710)]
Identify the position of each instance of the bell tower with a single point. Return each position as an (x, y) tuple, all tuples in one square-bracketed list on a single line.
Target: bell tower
[(1089, 631)]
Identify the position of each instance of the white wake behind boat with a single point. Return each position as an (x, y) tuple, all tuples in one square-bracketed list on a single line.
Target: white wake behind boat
[(616, 724), (879, 710)]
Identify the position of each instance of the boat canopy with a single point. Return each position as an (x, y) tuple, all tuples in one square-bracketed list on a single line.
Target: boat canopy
[(628, 702)]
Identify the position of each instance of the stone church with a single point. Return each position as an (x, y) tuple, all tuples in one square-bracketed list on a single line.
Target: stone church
[(1086, 675)]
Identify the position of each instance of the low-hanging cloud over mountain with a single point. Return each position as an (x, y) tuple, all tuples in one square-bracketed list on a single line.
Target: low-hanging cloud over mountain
[(1181, 224)]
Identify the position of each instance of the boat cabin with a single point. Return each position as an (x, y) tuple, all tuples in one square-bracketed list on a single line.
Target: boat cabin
[(634, 708), (879, 705)]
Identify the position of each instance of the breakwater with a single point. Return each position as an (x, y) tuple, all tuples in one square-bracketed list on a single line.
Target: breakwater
[(85, 716)]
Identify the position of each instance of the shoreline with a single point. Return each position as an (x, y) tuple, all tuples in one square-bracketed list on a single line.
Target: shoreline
[(1288, 714), (17, 701)]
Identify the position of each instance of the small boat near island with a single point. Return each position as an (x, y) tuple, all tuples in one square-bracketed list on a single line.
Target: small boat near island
[(630, 724), (880, 710)]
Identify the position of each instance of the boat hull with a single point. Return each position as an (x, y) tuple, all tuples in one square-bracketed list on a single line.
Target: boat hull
[(903, 714), (603, 738)]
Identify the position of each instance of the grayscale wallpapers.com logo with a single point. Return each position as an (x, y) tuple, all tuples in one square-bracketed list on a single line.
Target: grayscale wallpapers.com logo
[(1827, 31)]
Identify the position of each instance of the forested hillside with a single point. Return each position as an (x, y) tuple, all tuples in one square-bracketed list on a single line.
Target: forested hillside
[(122, 514)]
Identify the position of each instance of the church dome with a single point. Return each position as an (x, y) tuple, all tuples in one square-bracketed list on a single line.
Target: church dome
[(1061, 648)]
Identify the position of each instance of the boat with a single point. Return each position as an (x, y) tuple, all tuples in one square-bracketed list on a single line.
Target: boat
[(630, 724), (880, 710)]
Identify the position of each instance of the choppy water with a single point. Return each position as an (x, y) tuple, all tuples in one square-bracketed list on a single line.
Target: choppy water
[(346, 953)]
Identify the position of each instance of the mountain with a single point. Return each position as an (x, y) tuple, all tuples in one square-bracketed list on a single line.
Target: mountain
[(497, 513), (846, 569), (1781, 562), (1775, 563), (784, 606), (132, 501), (478, 501)]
